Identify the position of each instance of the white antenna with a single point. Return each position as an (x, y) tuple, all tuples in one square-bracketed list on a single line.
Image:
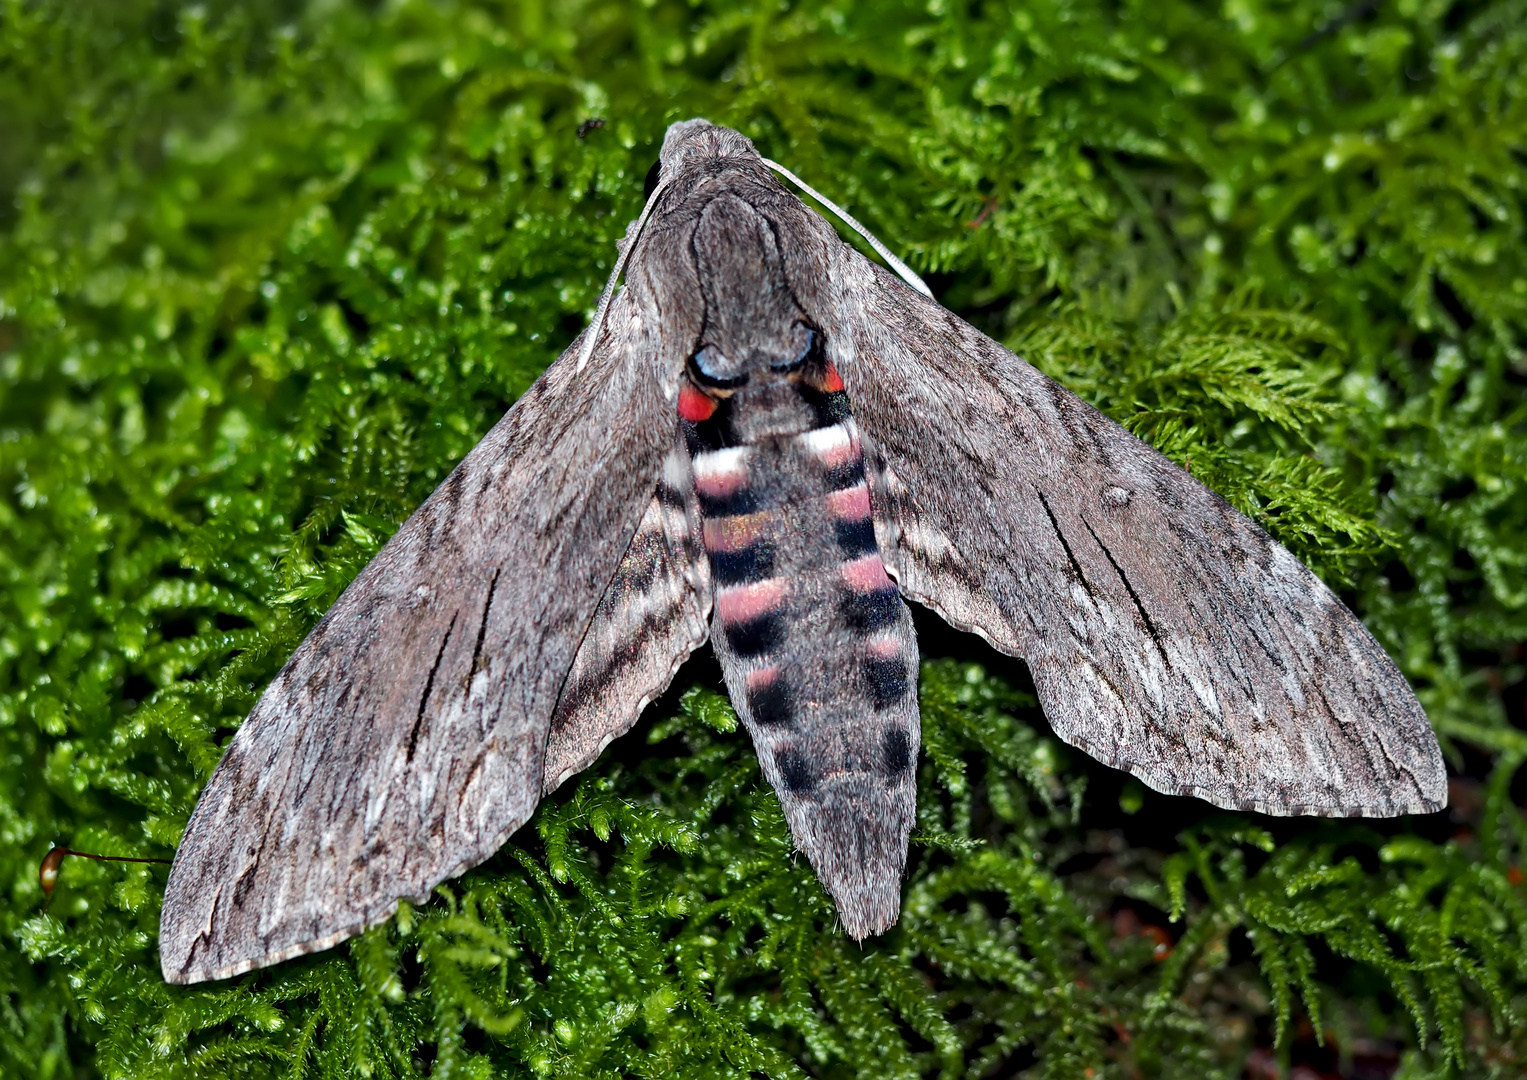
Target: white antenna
[(592, 337), (900, 267)]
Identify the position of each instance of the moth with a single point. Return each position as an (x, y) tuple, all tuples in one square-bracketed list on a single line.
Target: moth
[(767, 441)]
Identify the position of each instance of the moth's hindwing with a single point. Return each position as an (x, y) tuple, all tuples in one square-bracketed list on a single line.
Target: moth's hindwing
[(1168, 635), (651, 617)]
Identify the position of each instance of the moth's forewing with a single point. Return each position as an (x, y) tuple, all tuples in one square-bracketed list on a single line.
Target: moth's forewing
[(1168, 634), (404, 740)]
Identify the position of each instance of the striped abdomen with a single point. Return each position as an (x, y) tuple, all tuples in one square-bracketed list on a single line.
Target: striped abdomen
[(814, 640)]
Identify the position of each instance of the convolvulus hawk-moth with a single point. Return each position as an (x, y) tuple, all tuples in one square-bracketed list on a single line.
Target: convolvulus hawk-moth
[(768, 441)]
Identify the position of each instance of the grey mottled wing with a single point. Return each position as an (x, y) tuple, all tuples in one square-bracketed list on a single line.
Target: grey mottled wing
[(653, 614), (404, 740), (1168, 635)]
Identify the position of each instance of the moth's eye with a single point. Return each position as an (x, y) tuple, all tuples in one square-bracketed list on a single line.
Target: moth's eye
[(653, 174), (807, 342), (705, 367)]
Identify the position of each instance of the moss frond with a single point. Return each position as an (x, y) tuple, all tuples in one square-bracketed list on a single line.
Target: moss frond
[(268, 270)]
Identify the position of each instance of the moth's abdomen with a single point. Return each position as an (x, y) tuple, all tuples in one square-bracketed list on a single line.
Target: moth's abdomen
[(814, 640)]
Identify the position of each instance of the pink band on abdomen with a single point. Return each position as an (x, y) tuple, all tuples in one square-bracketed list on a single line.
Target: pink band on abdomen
[(866, 574), (850, 504), (747, 602)]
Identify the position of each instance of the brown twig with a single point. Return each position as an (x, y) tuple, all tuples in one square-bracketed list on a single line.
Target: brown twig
[(983, 215), (47, 874)]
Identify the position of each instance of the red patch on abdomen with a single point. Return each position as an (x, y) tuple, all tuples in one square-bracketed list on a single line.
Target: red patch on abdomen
[(693, 405)]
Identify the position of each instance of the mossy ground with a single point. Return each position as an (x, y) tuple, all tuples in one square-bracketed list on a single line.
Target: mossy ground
[(267, 270)]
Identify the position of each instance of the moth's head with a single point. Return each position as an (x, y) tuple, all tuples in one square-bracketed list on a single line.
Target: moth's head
[(694, 142)]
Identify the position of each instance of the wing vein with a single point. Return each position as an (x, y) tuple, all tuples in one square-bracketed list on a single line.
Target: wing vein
[(482, 630), (429, 687), (1076, 567), (1145, 616)]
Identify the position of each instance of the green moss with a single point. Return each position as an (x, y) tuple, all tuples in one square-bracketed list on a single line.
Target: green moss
[(267, 272)]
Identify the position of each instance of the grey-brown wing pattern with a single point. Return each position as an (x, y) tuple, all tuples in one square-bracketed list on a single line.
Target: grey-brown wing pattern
[(652, 616), (1168, 635), (404, 741), (550, 587)]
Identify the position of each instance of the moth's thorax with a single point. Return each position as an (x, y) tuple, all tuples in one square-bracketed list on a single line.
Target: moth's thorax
[(751, 318)]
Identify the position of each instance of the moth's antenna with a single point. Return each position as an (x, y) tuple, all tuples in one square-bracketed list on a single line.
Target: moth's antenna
[(900, 267), (592, 337)]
